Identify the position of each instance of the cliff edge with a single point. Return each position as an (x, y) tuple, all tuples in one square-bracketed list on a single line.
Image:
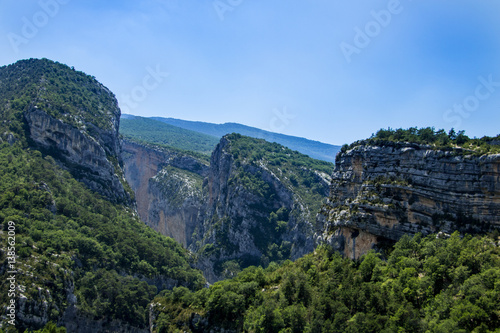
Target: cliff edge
[(380, 192)]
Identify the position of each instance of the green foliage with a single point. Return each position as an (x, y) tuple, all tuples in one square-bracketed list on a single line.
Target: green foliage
[(110, 295), (280, 185), (156, 132), (65, 235), (50, 328), (437, 139), (74, 97), (295, 170), (426, 285)]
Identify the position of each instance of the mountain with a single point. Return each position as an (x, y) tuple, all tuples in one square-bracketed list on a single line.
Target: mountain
[(82, 258), (78, 208), (314, 149), (255, 202), (151, 131), (410, 194), (411, 181)]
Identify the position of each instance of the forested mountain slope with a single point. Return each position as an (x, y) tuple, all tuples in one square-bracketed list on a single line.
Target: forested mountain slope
[(426, 285), (82, 257), (151, 131)]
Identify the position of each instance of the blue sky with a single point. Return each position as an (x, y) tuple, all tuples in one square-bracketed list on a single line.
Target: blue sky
[(333, 71)]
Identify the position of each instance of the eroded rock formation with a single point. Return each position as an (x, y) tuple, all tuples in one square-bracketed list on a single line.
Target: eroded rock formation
[(379, 193), (90, 153), (168, 186)]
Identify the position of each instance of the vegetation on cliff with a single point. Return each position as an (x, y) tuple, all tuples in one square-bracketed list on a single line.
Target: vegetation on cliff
[(437, 139), (295, 170), (73, 247), (427, 284), (278, 193), (64, 93)]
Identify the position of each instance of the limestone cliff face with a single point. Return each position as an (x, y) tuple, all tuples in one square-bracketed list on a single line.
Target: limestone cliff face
[(231, 213), (238, 225), (168, 187), (379, 193), (90, 153)]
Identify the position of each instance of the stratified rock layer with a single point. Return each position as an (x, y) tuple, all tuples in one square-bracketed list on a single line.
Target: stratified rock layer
[(380, 193), (88, 157)]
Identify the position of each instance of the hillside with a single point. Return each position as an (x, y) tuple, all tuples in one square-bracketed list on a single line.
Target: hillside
[(426, 285), (314, 149), (151, 131), (82, 257)]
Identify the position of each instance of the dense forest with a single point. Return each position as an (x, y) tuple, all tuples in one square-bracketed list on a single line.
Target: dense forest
[(66, 234), (427, 284)]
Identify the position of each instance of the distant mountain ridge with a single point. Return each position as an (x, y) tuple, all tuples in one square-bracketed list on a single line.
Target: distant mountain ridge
[(314, 149), (156, 132)]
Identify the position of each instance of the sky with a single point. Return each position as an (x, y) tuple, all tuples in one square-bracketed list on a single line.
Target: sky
[(334, 71)]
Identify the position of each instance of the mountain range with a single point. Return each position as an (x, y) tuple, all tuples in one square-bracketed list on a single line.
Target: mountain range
[(147, 228), (314, 149)]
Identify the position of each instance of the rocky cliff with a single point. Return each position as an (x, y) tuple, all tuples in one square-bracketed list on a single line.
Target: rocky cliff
[(66, 114), (91, 154), (380, 192), (242, 210), (167, 185), (249, 225)]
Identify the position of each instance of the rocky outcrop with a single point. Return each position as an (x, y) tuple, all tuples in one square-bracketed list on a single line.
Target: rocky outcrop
[(232, 214), (168, 188), (244, 225), (379, 193), (90, 153)]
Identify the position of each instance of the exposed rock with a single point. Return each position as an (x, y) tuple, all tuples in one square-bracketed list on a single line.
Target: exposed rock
[(380, 193), (236, 224), (167, 185), (88, 157), (9, 137), (210, 211)]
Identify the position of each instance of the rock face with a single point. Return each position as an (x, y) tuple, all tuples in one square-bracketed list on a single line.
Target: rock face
[(238, 223), (168, 188), (379, 193), (88, 154), (228, 222)]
